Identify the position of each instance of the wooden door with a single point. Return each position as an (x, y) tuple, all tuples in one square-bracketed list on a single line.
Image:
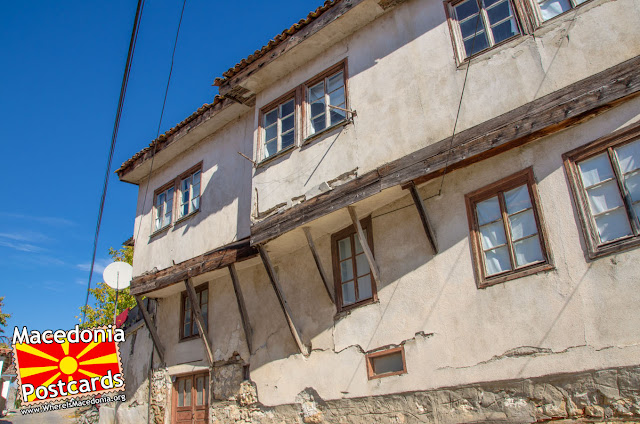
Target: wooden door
[(191, 399)]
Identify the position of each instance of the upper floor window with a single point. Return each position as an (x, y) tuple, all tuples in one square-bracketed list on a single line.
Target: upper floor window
[(278, 127), (551, 8), (605, 179), (480, 24), (326, 101), (182, 193), (188, 326), (352, 275), (505, 223), (190, 193)]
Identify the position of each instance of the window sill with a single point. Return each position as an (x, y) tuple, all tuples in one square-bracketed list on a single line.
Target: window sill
[(491, 50), (162, 230), (614, 247), (187, 339), (530, 270), (187, 216), (281, 153), (319, 134), (346, 310)]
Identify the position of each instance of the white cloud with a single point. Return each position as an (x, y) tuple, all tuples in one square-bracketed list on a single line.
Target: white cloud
[(47, 220), (98, 266), (20, 246)]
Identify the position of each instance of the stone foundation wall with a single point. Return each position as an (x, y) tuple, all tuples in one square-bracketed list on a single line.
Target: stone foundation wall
[(611, 395), (160, 395)]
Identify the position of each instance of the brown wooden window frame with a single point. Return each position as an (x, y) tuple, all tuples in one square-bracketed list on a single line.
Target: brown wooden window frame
[(176, 184), (497, 189), (193, 407), (350, 232), (520, 15), (595, 248), (276, 104), (306, 110), (370, 357), (183, 301)]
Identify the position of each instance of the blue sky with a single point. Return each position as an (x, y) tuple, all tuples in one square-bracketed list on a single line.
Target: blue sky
[(59, 85)]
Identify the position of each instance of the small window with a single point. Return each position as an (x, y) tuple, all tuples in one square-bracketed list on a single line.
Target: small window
[(552, 8), (188, 327), (605, 179), (386, 363), (354, 282), (506, 232), (164, 208), (481, 24), (190, 194), (278, 128), (326, 101)]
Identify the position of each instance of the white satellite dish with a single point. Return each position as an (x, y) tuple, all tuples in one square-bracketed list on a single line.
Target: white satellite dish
[(118, 275)]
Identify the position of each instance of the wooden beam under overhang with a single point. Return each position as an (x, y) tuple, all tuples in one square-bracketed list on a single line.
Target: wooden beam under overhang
[(152, 328), (273, 278), (217, 259), (561, 109), (316, 258), (424, 218), (244, 316), (197, 315)]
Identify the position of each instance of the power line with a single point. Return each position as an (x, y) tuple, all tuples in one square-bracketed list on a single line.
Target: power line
[(114, 136)]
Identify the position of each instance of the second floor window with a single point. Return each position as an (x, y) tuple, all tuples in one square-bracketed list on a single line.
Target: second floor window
[(278, 128), (483, 23), (190, 194), (551, 8), (326, 101), (164, 208)]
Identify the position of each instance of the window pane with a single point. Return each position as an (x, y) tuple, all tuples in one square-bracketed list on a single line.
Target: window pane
[(492, 235), (362, 265), (317, 108), (287, 139), (196, 178), (466, 9), (195, 204), (517, 199), (476, 44), (335, 82), (528, 251), (471, 26), (180, 392), (337, 116), (505, 30), (170, 198), (488, 211), (348, 293), (497, 260), (522, 225), (605, 197), (271, 148), (199, 390), (346, 270), (318, 124), (316, 92), (364, 288), (632, 182), (636, 208), (187, 393), (271, 133), (387, 363), (552, 8), (158, 224), (337, 98), (613, 225), (357, 241), (344, 248), (187, 329), (287, 108), (270, 118), (499, 12), (160, 199), (629, 156), (287, 124), (595, 170)]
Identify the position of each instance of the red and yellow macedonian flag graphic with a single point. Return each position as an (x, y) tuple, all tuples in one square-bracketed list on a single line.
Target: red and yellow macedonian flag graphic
[(45, 364)]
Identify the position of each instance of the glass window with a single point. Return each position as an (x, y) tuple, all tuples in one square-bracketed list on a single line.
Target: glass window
[(506, 229), (550, 8), (189, 326), (278, 128), (386, 363), (484, 23), (326, 102), (190, 194), (164, 208)]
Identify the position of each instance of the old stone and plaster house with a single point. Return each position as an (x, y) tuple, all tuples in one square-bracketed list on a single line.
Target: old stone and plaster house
[(487, 151)]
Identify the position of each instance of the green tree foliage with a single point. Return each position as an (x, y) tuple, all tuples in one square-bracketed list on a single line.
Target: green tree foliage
[(102, 298), (3, 317)]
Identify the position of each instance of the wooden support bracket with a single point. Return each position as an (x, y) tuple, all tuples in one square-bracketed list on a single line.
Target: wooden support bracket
[(152, 328), (197, 313), (316, 258), (283, 302), (375, 271), (244, 316), (424, 217)]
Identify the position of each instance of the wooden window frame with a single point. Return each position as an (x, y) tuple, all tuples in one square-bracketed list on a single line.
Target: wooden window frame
[(190, 172), (294, 95), (350, 231), (521, 16), (495, 189), (536, 12), (175, 184), (595, 249), (371, 375), (306, 113), (193, 406), (183, 299)]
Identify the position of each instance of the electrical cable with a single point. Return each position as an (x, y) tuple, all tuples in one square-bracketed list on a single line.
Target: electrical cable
[(114, 136)]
